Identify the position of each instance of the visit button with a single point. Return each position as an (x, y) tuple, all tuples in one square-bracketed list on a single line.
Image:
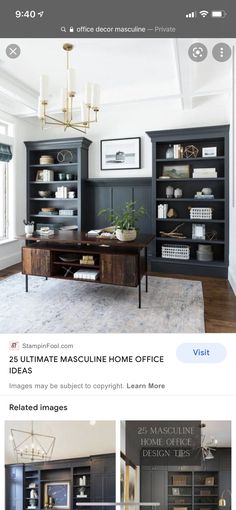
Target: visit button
[(201, 353)]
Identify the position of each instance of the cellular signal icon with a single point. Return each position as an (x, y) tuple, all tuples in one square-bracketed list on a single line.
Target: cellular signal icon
[(204, 13), (192, 14)]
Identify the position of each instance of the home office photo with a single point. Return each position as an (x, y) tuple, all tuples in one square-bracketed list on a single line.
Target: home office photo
[(117, 188)]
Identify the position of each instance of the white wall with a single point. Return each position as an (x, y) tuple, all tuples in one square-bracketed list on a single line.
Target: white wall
[(10, 251)]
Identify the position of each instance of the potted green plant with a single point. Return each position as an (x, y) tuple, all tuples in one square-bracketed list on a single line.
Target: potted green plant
[(124, 222)]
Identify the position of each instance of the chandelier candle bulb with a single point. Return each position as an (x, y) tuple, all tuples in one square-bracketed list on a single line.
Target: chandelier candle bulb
[(44, 87), (84, 113), (71, 74), (40, 108), (63, 99), (95, 101), (88, 94)]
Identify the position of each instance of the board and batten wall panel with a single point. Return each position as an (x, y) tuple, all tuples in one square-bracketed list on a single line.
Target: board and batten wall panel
[(114, 193)]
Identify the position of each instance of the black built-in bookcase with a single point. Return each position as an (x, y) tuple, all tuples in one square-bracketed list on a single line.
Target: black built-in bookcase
[(214, 136), (77, 168), (98, 485)]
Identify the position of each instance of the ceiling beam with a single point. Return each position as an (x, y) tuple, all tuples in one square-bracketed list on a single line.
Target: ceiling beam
[(184, 72), (17, 92)]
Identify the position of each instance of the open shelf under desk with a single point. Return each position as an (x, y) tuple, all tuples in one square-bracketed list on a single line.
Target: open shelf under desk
[(76, 264), (60, 277)]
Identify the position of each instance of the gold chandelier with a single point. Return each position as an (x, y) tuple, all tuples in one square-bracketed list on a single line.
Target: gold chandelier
[(32, 446), (89, 106)]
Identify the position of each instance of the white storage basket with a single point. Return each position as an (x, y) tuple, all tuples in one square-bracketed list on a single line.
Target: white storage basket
[(177, 251), (201, 213)]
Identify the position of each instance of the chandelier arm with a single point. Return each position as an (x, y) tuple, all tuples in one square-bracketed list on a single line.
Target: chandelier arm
[(58, 121), (73, 126), (54, 124)]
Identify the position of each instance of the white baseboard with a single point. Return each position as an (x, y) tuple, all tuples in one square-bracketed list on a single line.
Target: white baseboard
[(232, 280), (10, 260)]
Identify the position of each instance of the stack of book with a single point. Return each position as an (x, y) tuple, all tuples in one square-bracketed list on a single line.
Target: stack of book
[(46, 159), (87, 260), (86, 274), (45, 231), (204, 197), (62, 192), (67, 212), (48, 175), (162, 211), (94, 233), (199, 173)]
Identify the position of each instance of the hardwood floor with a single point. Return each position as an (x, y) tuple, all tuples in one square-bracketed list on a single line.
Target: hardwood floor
[(219, 300)]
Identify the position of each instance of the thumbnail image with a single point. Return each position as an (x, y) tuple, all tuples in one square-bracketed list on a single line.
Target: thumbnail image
[(115, 173), (59, 464), (176, 465)]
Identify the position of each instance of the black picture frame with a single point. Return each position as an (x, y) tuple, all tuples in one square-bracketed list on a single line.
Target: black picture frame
[(118, 159)]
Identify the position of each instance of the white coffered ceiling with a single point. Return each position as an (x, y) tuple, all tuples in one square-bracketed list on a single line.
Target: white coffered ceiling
[(127, 70)]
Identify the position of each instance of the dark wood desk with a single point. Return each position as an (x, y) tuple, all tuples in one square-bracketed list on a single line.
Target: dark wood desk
[(118, 263)]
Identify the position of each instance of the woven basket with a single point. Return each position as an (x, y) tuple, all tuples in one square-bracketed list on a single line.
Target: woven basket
[(126, 235)]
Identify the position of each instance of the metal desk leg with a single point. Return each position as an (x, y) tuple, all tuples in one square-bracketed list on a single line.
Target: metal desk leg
[(26, 283), (139, 281), (146, 269)]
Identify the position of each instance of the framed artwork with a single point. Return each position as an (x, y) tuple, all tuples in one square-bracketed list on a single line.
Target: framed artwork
[(39, 176), (175, 492), (198, 231), (121, 154), (60, 494), (176, 171), (209, 480), (209, 152)]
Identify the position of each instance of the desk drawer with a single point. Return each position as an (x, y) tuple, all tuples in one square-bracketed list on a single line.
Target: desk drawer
[(119, 269), (36, 262)]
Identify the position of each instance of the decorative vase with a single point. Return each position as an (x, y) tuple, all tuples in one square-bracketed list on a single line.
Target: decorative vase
[(206, 191), (178, 193), (170, 152), (29, 230), (126, 235), (169, 191)]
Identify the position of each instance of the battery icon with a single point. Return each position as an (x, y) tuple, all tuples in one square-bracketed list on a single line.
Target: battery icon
[(218, 14)]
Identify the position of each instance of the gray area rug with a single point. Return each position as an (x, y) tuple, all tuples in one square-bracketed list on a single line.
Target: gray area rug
[(57, 306)]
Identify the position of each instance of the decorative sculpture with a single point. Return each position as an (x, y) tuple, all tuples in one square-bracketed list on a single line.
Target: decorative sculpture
[(191, 151)]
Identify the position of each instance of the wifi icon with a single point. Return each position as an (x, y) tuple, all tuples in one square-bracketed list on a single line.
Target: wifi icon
[(204, 13)]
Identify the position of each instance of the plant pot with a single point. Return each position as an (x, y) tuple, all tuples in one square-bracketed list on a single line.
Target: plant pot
[(29, 230), (126, 235)]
